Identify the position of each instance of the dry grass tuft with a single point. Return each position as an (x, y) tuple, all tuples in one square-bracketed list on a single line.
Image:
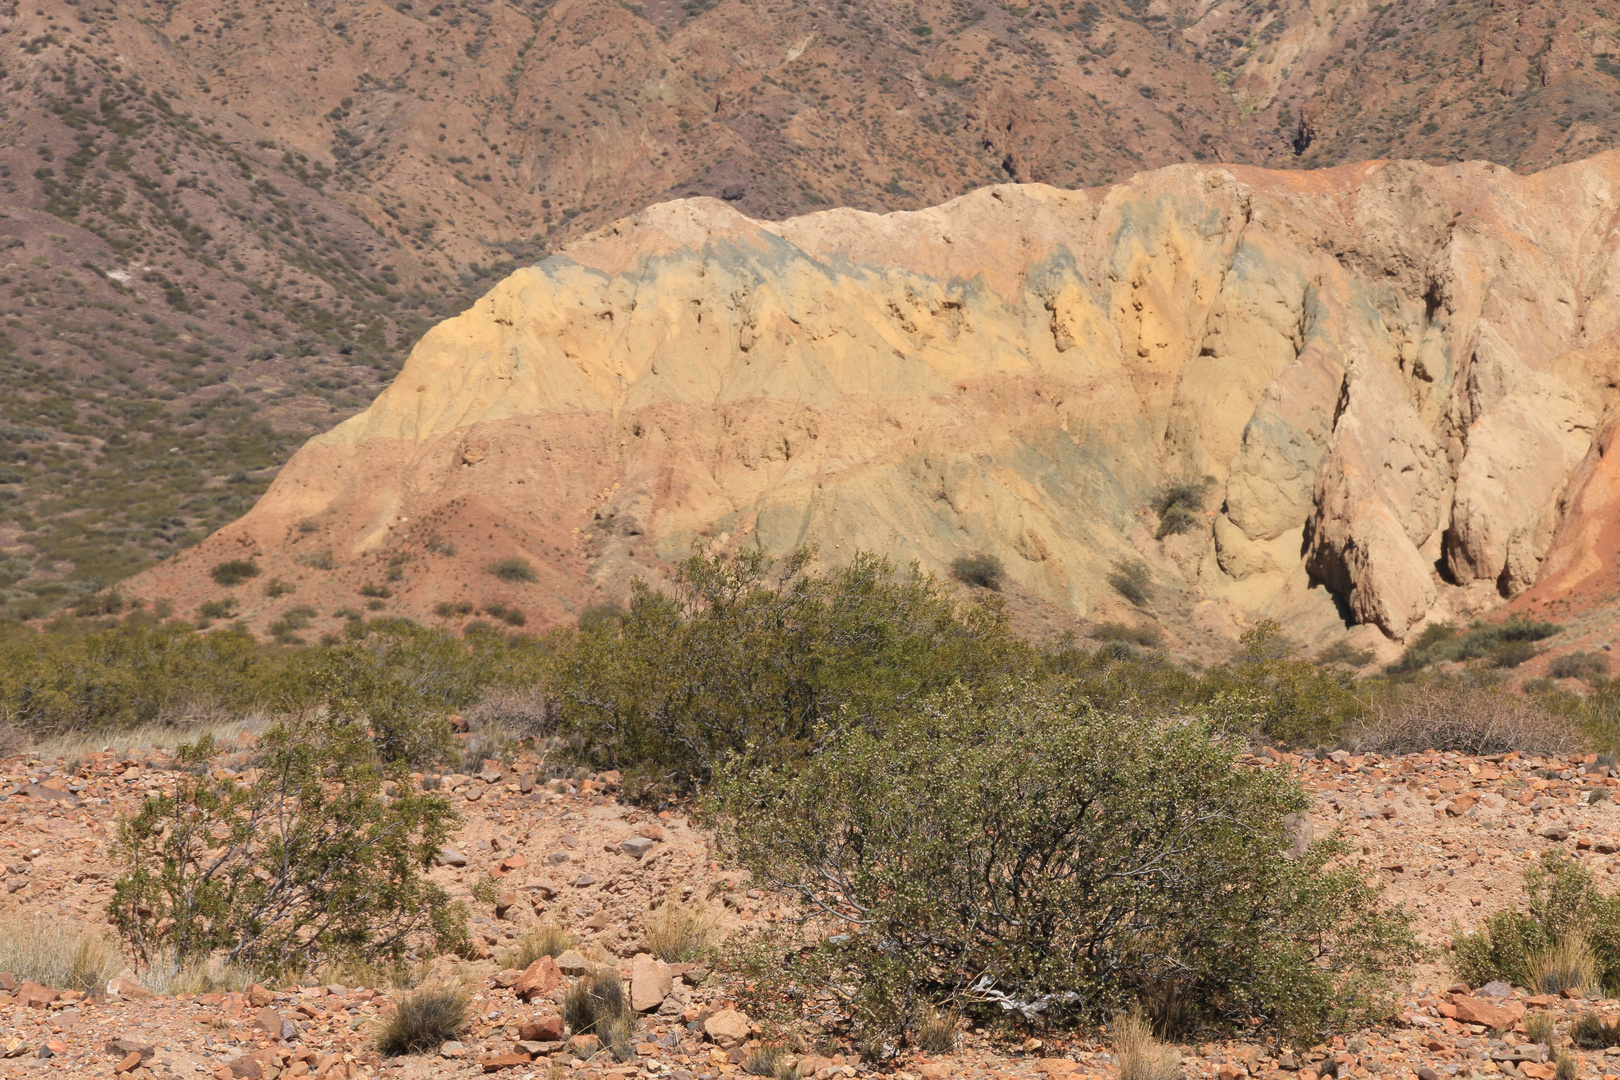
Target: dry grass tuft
[(1568, 964), (937, 1033), (58, 955), (1140, 1055), (1591, 1032), (423, 1021), (171, 978), (1470, 719), (547, 939), (1539, 1027), (678, 934), (597, 1005)]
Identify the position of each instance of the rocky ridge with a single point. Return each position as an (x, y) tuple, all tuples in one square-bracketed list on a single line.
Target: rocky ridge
[(1450, 836), (1391, 383)]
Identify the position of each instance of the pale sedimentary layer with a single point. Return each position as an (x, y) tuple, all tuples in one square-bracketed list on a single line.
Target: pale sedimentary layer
[(1391, 375)]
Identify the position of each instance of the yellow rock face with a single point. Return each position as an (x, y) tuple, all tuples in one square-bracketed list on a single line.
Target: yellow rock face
[(1378, 371)]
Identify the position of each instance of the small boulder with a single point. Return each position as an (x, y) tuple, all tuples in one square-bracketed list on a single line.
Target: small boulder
[(34, 996), (1472, 1010), (650, 982), (636, 846), (728, 1028), (572, 964), (545, 1029), (449, 856), (538, 980)]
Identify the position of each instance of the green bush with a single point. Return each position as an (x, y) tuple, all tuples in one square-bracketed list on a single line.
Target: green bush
[(1014, 849), (1291, 699), (981, 570), (311, 859), (1565, 905), (1146, 636), (747, 655), (125, 676), (234, 572), (514, 571), (406, 680)]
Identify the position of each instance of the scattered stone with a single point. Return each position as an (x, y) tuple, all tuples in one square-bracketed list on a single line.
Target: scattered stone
[(636, 846), (452, 1049), (1554, 832), (1496, 988), (505, 1061), (449, 856), (506, 978), (126, 1045), (130, 1062)]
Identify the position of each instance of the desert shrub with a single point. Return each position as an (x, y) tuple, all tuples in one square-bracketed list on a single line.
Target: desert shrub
[(597, 1005), (981, 570), (1463, 715), (375, 591), (1140, 1055), (1130, 578), (1341, 652), (234, 572), (125, 676), (1589, 667), (514, 571), (1565, 1067), (678, 934), (1180, 508), (1289, 698), (1019, 850), (744, 654), (1146, 636), (275, 588), (217, 609), (407, 680), (446, 609), (1570, 933), (423, 1021), (546, 939), (1591, 1032), (312, 858), (509, 615), (1540, 1027), (58, 954), (1504, 645)]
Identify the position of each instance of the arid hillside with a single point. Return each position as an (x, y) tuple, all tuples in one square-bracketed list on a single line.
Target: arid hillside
[(1379, 395), (224, 223)]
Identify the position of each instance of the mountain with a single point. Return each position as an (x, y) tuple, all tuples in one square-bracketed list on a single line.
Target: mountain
[(1378, 395), (225, 223)]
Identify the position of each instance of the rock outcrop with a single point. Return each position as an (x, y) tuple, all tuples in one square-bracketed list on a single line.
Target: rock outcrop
[(1389, 377)]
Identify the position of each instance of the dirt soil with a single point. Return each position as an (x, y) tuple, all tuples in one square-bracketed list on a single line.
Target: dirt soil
[(1450, 837)]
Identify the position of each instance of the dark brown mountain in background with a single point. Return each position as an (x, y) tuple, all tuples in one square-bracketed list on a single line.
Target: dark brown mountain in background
[(224, 223)]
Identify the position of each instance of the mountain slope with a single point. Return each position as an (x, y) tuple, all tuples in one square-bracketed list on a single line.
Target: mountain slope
[(224, 223), (1371, 394)]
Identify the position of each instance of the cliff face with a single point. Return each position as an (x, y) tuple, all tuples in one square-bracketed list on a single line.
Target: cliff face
[(1396, 381)]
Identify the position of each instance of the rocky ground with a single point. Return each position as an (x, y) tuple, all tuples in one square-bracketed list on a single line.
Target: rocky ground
[(1449, 835)]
